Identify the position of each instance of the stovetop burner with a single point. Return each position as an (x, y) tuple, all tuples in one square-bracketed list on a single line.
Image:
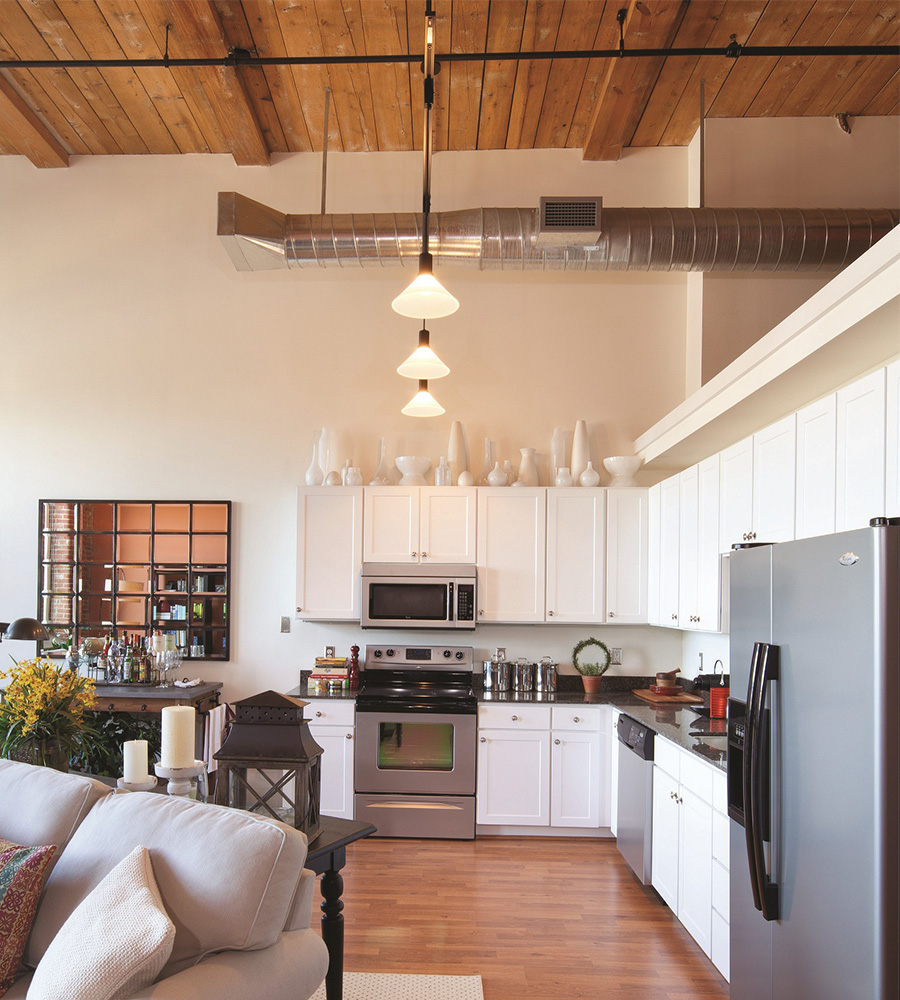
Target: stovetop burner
[(417, 679)]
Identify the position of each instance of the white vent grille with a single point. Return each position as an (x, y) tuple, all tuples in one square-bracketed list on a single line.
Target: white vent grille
[(569, 221)]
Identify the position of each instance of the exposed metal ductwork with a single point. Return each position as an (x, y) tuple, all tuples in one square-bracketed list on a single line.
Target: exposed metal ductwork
[(643, 239)]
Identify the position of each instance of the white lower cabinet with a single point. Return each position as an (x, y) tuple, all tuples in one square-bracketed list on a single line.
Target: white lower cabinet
[(721, 884), (542, 766), (331, 723), (684, 789)]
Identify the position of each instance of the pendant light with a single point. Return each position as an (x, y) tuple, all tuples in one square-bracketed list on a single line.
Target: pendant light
[(423, 362), (423, 404), (426, 296)]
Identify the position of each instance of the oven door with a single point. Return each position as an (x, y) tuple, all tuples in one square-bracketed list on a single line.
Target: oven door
[(418, 753)]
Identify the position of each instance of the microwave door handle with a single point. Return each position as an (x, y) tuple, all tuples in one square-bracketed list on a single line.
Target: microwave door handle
[(451, 606), (747, 775)]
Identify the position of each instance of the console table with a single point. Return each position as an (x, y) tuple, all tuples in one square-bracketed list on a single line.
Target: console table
[(150, 698), (326, 856)]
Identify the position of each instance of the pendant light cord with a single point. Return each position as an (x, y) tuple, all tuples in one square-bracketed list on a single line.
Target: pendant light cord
[(428, 70)]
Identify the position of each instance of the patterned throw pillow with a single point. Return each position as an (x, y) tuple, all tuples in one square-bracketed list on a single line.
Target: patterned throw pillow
[(22, 873)]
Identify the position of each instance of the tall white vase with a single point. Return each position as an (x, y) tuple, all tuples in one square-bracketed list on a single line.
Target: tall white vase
[(482, 479), (528, 470), (557, 452), (314, 474), (581, 451), (457, 451)]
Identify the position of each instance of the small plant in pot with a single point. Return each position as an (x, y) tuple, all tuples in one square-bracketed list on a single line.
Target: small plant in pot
[(591, 657)]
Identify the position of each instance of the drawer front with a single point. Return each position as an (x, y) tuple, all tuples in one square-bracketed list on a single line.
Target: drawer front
[(720, 890), (325, 712), (575, 718), (697, 776), (667, 757), (513, 716), (721, 838)]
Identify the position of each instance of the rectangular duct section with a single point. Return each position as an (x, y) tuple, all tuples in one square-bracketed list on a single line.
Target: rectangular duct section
[(566, 222)]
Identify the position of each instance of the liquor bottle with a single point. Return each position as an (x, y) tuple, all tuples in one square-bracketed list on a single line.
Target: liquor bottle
[(146, 664), (103, 662), (128, 663)]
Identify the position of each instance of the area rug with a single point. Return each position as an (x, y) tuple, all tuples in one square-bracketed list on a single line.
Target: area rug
[(388, 986)]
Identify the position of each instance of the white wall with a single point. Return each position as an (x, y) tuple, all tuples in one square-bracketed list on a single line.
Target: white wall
[(138, 364)]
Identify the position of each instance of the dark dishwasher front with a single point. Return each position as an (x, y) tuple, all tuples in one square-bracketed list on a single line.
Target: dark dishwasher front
[(634, 809)]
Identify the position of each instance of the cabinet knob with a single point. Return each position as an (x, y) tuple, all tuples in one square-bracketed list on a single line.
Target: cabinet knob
[(753, 534), (143, 708), (610, 614), (575, 718), (551, 613), (674, 618), (349, 736), (111, 707), (515, 718), (481, 612), (557, 742), (318, 715), (299, 610), (424, 555), (413, 554), (484, 739)]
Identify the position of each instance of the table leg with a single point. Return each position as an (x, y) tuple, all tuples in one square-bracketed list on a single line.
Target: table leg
[(333, 932)]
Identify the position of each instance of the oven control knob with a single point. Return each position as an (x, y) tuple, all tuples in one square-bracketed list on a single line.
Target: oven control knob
[(390, 652), (447, 654), (459, 654), (377, 654)]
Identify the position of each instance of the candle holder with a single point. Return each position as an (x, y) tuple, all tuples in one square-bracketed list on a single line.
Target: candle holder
[(138, 786), (189, 782)]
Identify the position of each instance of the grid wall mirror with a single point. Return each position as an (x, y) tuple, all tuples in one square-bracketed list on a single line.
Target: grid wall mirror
[(136, 566)]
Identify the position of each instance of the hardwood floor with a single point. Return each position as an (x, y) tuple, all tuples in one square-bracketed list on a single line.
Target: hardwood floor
[(536, 918)]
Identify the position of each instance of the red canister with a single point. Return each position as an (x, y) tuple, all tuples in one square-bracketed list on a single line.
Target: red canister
[(718, 702)]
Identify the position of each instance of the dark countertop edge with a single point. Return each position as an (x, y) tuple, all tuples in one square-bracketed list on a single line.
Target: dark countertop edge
[(154, 690)]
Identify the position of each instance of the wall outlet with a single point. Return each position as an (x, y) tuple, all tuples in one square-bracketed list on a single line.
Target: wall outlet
[(285, 623), (615, 655)]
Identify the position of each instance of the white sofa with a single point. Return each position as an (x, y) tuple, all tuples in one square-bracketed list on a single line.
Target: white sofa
[(232, 883)]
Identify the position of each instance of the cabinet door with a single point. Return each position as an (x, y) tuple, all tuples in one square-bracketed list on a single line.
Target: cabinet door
[(329, 552), (860, 451), (709, 561), (774, 478), (391, 524), (665, 833), (816, 475), (511, 538), (688, 547), (735, 494), (695, 867), (669, 498), (653, 553), (575, 778), (513, 786), (337, 769), (447, 524), (627, 532), (575, 555), (892, 441)]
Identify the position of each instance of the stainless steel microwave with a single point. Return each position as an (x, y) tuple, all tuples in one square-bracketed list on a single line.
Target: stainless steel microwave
[(400, 595)]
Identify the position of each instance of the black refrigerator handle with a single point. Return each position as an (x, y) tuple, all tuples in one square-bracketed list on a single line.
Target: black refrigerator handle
[(760, 766), (747, 775)]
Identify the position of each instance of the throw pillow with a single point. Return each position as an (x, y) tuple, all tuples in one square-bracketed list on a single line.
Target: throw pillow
[(115, 941), (22, 872)]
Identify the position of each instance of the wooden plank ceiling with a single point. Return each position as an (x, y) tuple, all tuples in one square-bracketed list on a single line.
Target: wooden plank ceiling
[(600, 105)]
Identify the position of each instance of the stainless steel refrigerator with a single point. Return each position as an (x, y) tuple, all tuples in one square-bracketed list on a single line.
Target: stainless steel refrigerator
[(814, 768)]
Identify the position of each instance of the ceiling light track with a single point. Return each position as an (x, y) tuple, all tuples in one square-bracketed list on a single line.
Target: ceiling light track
[(241, 57)]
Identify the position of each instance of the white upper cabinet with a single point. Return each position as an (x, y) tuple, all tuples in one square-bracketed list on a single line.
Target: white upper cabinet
[(575, 554), (699, 583), (860, 451), (669, 526), (816, 473), (329, 552), (735, 494), (653, 551), (417, 524), (688, 546), (627, 562), (512, 531), (892, 442)]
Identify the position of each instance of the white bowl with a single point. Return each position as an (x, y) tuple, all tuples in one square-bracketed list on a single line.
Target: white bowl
[(622, 468), (413, 468)]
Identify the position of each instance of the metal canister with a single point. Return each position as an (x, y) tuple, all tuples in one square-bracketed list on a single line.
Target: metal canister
[(495, 675), (523, 675), (545, 675)]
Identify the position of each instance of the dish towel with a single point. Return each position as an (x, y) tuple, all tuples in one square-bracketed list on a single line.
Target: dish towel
[(214, 734)]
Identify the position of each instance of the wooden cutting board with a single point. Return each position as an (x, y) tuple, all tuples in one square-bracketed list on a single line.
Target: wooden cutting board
[(682, 698)]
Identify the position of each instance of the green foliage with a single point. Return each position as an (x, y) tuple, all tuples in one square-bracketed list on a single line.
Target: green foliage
[(114, 729), (592, 669)]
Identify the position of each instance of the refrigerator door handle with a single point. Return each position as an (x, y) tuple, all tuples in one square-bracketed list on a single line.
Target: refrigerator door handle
[(747, 775), (766, 891)]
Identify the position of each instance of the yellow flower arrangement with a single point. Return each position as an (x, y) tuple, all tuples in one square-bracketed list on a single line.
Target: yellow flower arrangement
[(42, 712)]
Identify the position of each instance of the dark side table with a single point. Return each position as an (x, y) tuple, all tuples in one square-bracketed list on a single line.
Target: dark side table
[(326, 856)]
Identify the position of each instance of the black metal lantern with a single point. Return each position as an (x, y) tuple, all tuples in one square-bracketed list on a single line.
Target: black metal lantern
[(270, 763)]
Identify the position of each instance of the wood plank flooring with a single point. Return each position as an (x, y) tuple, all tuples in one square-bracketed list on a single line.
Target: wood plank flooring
[(536, 918)]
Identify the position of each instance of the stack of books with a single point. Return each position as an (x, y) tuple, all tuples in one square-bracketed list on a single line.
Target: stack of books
[(330, 668)]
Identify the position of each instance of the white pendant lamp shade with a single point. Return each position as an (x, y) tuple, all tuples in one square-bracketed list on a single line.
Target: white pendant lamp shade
[(423, 362), (425, 297), (423, 404)]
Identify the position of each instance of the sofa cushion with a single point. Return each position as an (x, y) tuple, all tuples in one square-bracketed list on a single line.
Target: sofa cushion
[(43, 806), (22, 872), (115, 941), (227, 879)]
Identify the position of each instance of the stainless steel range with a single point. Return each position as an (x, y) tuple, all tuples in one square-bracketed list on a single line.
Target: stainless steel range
[(416, 722)]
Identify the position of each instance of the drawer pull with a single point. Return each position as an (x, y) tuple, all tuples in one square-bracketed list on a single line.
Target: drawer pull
[(318, 715), (143, 708), (515, 718), (575, 718), (557, 742), (111, 707), (484, 739), (349, 736)]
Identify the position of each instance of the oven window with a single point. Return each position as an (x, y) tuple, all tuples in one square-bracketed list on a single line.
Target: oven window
[(408, 602), (415, 746)]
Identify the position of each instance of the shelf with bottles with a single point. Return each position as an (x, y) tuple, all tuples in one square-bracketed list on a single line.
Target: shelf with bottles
[(208, 643)]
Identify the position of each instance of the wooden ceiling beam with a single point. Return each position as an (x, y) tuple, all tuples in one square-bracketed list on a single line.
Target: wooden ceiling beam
[(26, 132), (649, 24)]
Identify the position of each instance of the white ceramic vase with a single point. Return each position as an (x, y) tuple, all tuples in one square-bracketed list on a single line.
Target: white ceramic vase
[(581, 451), (590, 476), (510, 472), (496, 477), (563, 477), (457, 451), (314, 475), (528, 470)]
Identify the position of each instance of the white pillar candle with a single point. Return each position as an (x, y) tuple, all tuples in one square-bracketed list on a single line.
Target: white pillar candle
[(134, 754), (178, 736)]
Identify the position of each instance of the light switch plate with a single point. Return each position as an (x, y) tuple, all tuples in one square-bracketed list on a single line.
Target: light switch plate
[(285, 623)]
